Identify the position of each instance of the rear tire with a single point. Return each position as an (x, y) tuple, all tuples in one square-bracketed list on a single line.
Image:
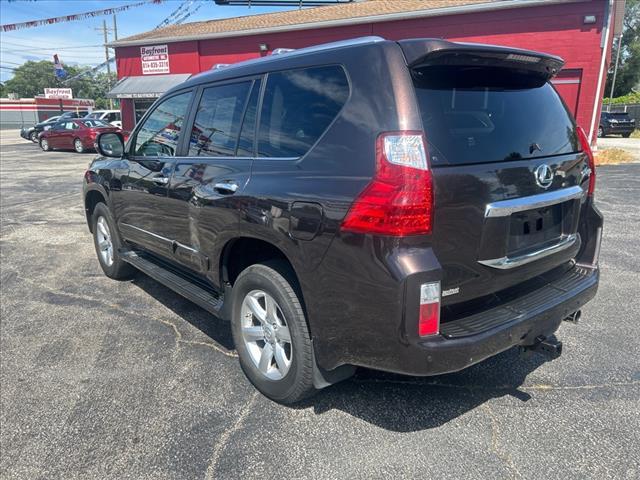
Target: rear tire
[(601, 133), (626, 135), (77, 145), (44, 145), (107, 243), (268, 322)]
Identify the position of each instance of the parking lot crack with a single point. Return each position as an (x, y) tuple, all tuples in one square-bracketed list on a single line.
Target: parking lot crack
[(226, 435), (495, 444)]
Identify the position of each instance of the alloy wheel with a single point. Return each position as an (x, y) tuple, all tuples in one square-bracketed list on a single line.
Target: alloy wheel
[(105, 244), (78, 146), (266, 334)]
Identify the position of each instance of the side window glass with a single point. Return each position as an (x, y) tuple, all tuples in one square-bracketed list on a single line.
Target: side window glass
[(159, 134), (215, 129), (298, 107), (247, 133)]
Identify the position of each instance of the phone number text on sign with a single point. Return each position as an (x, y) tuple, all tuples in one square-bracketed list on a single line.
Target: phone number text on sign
[(155, 59)]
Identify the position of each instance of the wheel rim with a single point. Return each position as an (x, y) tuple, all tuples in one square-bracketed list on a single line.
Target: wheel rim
[(105, 244), (600, 132), (45, 145), (78, 145), (266, 334), (34, 137)]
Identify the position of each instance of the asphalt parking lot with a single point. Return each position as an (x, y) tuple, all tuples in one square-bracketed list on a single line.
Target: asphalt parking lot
[(104, 379)]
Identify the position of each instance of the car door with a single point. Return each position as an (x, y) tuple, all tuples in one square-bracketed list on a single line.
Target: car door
[(54, 133), (142, 204), (208, 182), (66, 136)]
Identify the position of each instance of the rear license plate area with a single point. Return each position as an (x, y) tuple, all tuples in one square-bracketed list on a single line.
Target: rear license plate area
[(532, 228)]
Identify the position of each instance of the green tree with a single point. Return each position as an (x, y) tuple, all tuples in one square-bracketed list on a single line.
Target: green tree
[(31, 78), (629, 67)]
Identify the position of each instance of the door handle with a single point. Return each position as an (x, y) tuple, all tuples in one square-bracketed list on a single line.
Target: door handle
[(160, 180), (226, 187)]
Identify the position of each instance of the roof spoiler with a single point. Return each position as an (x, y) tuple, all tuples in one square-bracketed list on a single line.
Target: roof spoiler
[(423, 52)]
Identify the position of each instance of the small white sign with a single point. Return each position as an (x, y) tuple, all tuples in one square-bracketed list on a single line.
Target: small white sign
[(155, 59), (64, 93)]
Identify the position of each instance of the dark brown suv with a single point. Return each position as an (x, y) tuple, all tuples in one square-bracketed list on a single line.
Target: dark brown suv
[(412, 206)]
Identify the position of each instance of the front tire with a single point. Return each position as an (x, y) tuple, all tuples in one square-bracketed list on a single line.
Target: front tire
[(601, 133), (271, 333), (44, 145), (626, 135), (107, 243), (34, 137), (77, 145)]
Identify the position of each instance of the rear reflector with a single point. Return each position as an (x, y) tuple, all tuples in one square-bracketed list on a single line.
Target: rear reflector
[(399, 199), (429, 322), (586, 148)]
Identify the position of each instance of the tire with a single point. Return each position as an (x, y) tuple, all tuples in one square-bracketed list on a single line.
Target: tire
[(626, 135), (77, 146), (285, 385), (44, 145), (33, 136), (104, 233), (601, 133)]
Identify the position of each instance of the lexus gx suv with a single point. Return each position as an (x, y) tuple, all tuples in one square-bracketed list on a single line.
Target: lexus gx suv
[(411, 206)]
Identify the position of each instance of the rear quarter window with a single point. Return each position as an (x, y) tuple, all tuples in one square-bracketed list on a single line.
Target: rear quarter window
[(479, 114), (298, 106)]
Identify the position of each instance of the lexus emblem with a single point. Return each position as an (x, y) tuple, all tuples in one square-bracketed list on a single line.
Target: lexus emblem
[(544, 175)]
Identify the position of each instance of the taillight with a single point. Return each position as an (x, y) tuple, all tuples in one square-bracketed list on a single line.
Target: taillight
[(399, 199), (429, 321), (586, 148)]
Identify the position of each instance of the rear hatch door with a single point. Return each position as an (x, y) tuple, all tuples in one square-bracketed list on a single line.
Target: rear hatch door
[(507, 163)]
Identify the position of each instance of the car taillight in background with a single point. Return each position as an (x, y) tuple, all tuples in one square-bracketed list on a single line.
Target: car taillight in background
[(399, 199), (586, 148), (429, 321)]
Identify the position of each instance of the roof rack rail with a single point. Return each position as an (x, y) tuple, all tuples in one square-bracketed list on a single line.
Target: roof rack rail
[(280, 51)]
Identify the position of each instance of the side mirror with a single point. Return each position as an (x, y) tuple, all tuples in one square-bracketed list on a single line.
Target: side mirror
[(110, 144)]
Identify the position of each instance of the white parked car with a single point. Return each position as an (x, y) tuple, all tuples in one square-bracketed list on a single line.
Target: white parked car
[(113, 117)]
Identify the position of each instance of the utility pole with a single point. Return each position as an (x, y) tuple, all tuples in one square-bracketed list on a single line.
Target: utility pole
[(615, 70), (115, 28), (105, 32)]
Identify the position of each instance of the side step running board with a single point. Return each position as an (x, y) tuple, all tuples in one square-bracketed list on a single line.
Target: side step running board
[(177, 283)]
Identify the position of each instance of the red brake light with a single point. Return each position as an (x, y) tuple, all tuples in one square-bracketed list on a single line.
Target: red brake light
[(399, 199), (586, 148), (429, 321)]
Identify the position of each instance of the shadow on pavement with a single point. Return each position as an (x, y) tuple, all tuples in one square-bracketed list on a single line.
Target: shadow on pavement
[(394, 402)]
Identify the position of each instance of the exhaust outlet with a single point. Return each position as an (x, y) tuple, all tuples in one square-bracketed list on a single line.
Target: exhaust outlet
[(574, 317)]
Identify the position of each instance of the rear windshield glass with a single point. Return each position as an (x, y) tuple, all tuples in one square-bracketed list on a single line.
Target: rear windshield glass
[(618, 115), (478, 114)]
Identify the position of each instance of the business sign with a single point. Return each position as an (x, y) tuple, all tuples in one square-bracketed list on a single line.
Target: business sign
[(155, 59), (64, 93)]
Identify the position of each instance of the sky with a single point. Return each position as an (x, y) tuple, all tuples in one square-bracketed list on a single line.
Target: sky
[(79, 43)]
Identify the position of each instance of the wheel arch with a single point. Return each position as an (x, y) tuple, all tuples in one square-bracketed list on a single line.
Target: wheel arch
[(92, 197)]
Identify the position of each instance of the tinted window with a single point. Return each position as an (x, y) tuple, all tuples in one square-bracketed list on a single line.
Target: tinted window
[(217, 124), (159, 134), (477, 114), (95, 123), (298, 107), (247, 134)]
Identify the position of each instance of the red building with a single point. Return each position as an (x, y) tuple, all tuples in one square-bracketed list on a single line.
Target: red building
[(579, 31)]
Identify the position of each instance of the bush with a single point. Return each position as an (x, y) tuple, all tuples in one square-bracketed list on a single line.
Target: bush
[(633, 97)]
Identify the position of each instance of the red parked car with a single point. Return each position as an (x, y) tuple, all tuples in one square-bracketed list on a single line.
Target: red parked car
[(78, 134)]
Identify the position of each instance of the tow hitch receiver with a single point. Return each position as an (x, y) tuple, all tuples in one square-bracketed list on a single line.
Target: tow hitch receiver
[(550, 347)]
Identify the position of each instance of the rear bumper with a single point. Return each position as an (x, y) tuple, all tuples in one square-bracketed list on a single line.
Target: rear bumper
[(619, 129), (470, 340)]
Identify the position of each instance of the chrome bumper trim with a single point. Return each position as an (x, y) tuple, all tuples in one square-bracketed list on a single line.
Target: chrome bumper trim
[(504, 263), (504, 208)]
